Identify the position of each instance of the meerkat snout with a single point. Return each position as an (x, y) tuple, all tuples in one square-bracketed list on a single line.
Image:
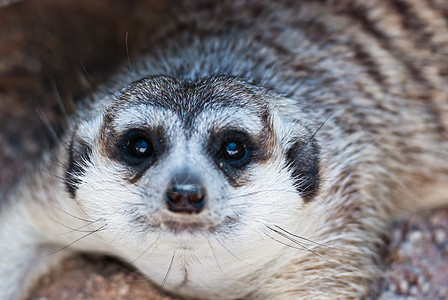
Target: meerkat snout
[(185, 193)]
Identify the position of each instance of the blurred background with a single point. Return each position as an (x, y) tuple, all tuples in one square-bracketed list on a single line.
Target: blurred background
[(55, 53)]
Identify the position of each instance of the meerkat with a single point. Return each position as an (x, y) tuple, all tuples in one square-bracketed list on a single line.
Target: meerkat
[(257, 151)]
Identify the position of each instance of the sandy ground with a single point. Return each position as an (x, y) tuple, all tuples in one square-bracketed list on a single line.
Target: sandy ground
[(42, 45)]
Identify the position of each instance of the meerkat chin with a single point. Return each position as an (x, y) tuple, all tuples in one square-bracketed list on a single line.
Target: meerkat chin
[(253, 153)]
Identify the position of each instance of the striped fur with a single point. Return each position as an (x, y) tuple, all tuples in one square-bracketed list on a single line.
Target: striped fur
[(348, 104)]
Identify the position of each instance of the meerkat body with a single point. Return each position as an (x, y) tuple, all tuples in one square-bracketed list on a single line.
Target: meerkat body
[(257, 151)]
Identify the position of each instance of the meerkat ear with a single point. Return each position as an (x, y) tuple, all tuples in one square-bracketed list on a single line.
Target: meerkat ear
[(303, 162), (79, 154)]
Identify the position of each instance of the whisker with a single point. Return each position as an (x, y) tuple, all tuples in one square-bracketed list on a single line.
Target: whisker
[(216, 260), (72, 229), (78, 229), (283, 243), (93, 80), (52, 174), (71, 215), (269, 70), (58, 97), (51, 129), (135, 203), (315, 132), (304, 247), (56, 163), (261, 191), (75, 241), (166, 277), (196, 259), (146, 250), (127, 51), (313, 242), (231, 253), (47, 124)]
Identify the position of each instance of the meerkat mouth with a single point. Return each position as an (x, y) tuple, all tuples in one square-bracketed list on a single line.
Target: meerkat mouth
[(190, 227), (193, 224)]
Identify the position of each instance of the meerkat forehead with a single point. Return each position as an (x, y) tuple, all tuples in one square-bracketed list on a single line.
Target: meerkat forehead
[(194, 106)]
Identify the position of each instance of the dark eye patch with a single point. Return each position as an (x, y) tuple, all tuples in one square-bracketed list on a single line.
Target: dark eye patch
[(232, 151), (303, 162), (232, 148), (139, 148), (136, 148), (79, 153)]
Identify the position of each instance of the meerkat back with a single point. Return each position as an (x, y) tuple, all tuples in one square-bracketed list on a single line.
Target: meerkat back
[(257, 150)]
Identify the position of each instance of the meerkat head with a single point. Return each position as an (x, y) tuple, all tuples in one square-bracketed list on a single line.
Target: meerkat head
[(190, 174)]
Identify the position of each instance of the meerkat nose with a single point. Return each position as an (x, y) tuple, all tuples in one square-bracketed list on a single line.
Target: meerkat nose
[(185, 194)]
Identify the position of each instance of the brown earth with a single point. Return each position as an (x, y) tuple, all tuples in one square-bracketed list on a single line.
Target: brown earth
[(51, 49)]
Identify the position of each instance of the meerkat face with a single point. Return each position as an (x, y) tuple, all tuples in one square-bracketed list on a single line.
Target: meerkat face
[(188, 177)]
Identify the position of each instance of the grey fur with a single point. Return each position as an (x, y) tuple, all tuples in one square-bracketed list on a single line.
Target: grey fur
[(346, 127)]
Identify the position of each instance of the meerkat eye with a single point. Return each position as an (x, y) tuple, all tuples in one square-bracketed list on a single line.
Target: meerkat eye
[(139, 147), (233, 148), (233, 151)]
